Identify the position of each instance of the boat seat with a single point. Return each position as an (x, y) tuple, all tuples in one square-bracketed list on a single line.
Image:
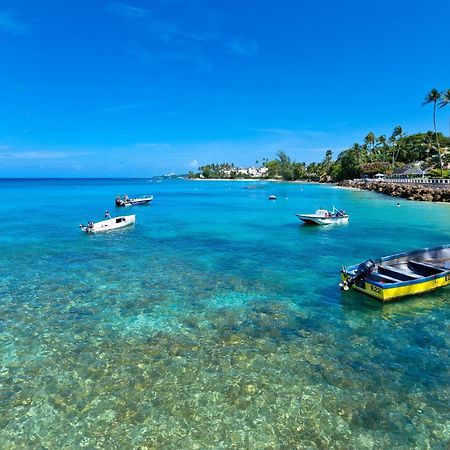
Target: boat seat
[(400, 274), (381, 278), (426, 268)]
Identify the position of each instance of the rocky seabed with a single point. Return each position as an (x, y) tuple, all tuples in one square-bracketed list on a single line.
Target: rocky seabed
[(409, 191)]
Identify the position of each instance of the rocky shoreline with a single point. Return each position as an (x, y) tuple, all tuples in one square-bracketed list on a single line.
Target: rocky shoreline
[(409, 191)]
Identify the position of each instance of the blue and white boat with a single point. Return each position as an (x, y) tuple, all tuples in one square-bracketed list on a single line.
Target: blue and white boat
[(127, 201), (324, 217)]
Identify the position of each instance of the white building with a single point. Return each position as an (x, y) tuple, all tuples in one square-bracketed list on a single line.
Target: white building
[(253, 172)]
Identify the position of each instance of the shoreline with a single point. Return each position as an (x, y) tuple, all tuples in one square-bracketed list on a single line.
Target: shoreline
[(272, 180), (412, 192)]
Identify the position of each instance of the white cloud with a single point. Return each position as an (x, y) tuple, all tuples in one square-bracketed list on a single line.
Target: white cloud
[(305, 133), (182, 41), (148, 145), (126, 10), (242, 47), (33, 155), (10, 25), (127, 107)]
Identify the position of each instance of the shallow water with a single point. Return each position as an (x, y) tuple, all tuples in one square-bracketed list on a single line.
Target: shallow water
[(214, 322)]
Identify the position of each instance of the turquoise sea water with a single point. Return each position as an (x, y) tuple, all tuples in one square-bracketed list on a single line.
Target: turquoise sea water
[(215, 322)]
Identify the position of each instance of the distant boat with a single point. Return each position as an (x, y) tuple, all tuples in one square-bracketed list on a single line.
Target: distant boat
[(272, 197), (109, 224), (399, 275), (126, 201), (324, 217)]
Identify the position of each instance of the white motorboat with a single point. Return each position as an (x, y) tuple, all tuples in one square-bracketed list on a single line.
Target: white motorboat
[(126, 201), (324, 217), (109, 224)]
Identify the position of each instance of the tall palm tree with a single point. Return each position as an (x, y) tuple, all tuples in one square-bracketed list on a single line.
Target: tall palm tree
[(381, 143), (369, 140), (396, 135), (433, 97), (356, 148), (445, 101)]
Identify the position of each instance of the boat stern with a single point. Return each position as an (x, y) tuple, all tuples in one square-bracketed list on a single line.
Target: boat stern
[(345, 277)]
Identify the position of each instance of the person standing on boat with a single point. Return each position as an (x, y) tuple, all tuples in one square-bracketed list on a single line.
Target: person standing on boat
[(107, 215)]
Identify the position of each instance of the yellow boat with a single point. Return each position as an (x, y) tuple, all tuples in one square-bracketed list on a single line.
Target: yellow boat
[(400, 275)]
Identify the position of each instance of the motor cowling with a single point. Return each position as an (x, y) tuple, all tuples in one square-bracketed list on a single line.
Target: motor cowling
[(363, 270)]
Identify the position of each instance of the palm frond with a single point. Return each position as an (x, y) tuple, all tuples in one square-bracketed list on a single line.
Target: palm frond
[(445, 98), (433, 96)]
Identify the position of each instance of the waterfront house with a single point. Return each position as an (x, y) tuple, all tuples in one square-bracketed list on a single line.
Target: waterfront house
[(409, 172)]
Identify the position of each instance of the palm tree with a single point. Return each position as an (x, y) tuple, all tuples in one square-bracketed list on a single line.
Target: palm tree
[(433, 97), (356, 148), (381, 143), (369, 140), (396, 135), (445, 101)]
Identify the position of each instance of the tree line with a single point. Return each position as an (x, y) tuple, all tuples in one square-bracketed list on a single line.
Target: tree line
[(373, 155)]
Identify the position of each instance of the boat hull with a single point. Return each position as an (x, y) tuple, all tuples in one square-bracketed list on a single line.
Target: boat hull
[(141, 201), (389, 291), (394, 293), (110, 224), (134, 201)]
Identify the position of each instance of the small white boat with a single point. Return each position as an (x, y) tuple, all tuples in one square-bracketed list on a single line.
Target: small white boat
[(126, 201), (272, 197), (109, 224), (324, 217)]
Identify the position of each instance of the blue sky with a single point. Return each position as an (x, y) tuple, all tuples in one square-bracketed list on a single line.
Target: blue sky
[(140, 88)]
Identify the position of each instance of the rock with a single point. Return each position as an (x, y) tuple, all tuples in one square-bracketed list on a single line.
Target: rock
[(409, 191)]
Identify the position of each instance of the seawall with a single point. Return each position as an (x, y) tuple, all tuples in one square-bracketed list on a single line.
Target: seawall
[(403, 190)]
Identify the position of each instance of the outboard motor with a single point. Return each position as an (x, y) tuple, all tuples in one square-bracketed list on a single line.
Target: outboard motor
[(362, 271)]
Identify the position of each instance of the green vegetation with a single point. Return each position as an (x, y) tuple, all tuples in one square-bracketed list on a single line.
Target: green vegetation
[(381, 155), (213, 171), (376, 154)]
